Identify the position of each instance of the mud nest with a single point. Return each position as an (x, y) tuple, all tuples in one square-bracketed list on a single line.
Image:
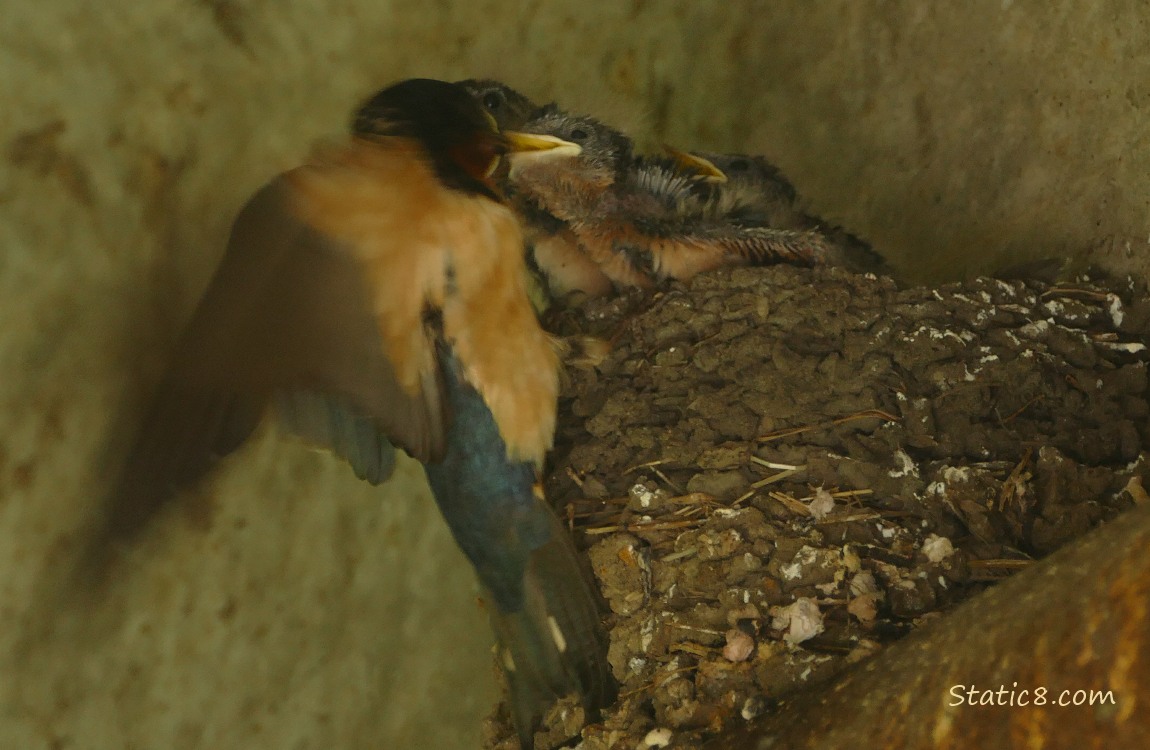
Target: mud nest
[(777, 471)]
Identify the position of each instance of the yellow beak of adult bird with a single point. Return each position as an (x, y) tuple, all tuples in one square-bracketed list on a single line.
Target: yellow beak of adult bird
[(377, 298)]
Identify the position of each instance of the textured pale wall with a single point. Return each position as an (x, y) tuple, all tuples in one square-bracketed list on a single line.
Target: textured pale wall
[(957, 137), (306, 610)]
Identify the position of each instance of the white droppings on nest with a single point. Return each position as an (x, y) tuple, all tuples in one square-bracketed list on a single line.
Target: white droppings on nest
[(1026, 353), (936, 488), (937, 548), (739, 646), (752, 707), (864, 607), (1072, 330), (806, 556), (658, 737), (1130, 347), (822, 505), (802, 620), (988, 358), (986, 313), (1054, 307), (1034, 329), (636, 664), (887, 532), (906, 466), (647, 632), (956, 474), (1006, 287), (644, 495), (985, 297), (851, 560), (967, 375), (863, 582), (717, 545), (1114, 307), (963, 336)]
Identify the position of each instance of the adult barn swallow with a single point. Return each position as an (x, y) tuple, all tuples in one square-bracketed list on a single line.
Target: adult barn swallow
[(377, 298), (640, 220), (510, 108)]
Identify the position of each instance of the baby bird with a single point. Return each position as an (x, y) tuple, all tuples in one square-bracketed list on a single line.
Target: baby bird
[(376, 297), (763, 196), (637, 221), (510, 108)]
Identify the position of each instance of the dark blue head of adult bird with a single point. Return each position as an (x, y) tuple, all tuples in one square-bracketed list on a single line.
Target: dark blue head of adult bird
[(510, 108), (376, 298)]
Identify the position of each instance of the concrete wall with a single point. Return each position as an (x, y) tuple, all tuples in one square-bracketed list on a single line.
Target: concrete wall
[(292, 607), (957, 137)]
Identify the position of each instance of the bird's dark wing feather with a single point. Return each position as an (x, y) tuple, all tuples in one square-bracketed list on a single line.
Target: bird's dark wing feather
[(287, 319), (542, 602), (763, 245)]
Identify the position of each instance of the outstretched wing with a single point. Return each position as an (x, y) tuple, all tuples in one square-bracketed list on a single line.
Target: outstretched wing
[(287, 319)]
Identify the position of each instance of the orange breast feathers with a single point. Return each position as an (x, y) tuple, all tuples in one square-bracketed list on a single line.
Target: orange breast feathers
[(423, 245)]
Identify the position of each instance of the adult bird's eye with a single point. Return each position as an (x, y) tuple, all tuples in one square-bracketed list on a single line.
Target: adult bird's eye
[(492, 101), (578, 135), (740, 165)]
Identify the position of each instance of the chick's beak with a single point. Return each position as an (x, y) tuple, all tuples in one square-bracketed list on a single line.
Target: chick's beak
[(696, 165), (522, 143), (530, 148)]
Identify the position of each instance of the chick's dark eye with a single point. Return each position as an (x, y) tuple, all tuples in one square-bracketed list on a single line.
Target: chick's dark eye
[(492, 101), (740, 165), (578, 135)]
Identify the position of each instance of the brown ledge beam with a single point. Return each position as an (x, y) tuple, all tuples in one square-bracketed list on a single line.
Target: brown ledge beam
[(1074, 625)]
